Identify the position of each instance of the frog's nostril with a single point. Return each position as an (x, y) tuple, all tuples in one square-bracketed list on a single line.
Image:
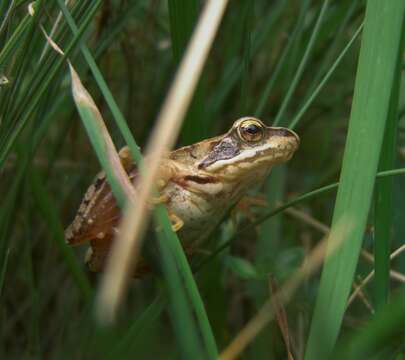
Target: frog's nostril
[(285, 133), (289, 133)]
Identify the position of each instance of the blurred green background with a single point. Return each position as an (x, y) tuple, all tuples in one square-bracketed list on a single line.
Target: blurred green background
[(267, 61)]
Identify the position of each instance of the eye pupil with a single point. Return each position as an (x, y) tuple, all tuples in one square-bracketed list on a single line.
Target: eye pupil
[(252, 129)]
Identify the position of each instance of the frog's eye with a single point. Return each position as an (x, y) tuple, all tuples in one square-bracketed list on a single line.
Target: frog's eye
[(251, 130)]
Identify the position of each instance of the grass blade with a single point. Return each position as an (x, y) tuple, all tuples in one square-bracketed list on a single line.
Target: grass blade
[(302, 64), (31, 106), (137, 330), (384, 203), (182, 318), (172, 242), (47, 208), (12, 43), (379, 55), (4, 269), (101, 141), (325, 79), (385, 329), (119, 118), (183, 15), (282, 61)]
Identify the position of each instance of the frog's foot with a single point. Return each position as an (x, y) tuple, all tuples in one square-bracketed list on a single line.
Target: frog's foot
[(245, 206), (177, 222)]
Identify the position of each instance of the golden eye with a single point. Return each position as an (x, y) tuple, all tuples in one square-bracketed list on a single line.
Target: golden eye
[(251, 130)]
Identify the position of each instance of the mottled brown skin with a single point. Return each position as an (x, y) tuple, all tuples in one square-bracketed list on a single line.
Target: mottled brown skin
[(199, 183)]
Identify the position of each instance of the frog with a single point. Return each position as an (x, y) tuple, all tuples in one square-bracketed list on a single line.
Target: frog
[(199, 184)]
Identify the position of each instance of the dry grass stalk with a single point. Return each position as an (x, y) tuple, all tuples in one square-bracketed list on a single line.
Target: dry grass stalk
[(53, 32), (316, 224), (126, 249), (363, 297), (307, 219), (308, 267), (281, 316), (394, 274)]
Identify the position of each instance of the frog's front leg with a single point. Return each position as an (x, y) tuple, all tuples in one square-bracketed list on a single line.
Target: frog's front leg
[(126, 158), (167, 171)]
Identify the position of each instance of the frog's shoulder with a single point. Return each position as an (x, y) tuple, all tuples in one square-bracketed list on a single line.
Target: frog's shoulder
[(189, 155)]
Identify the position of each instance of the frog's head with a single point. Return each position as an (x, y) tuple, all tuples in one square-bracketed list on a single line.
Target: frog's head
[(249, 147)]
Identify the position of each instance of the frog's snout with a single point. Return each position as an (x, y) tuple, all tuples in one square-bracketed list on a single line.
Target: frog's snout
[(287, 133), (291, 133)]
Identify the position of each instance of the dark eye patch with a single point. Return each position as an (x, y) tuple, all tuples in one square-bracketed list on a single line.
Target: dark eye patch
[(226, 149)]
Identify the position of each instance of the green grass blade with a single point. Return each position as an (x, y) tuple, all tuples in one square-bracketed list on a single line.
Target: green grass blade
[(338, 37), (16, 37), (277, 70), (119, 26), (385, 329), (379, 55), (182, 318), (234, 68), (6, 9), (183, 15), (281, 63), (173, 245), (302, 65), (118, 116), (9, 207), (31, 106), (247, 22), (3, 271), (384, 204), (325, 79), (138, 329), (98, 135), (47, 208)]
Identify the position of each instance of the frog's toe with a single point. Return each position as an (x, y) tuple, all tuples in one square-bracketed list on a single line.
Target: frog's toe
[(161, 199), (156, 200), (177, 223)]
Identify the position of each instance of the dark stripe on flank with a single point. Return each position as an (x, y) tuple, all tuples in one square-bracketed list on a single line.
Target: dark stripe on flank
[(200, 179)]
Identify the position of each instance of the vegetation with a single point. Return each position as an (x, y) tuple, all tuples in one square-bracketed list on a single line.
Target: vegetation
[(331, 70)]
